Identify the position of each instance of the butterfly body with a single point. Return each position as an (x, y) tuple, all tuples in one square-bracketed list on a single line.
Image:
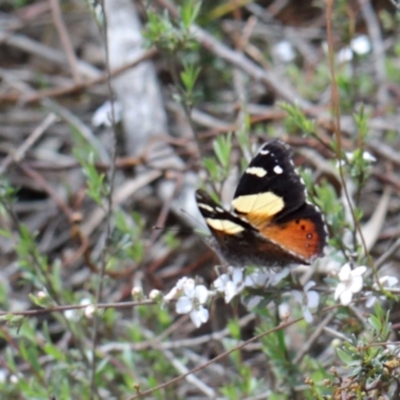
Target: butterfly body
[(271, 224)]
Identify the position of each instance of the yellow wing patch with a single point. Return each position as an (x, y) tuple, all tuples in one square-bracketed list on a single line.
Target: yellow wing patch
[(224, 225), (257, 171), (263, 204)]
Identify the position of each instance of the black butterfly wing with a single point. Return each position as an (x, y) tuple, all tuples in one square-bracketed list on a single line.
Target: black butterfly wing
[(270, 185), (271, 196)]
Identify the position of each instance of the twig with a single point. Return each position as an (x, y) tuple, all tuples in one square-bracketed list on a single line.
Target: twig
[(378, 49), (33, 47), (181, 343), (313, 338), (336, 122), (120, 195), (62, 112), (64, 37), (48, 310), (49, 190), (387, 254), (396, 4), (192, 379), (108, 210), (28, 142), (82, 85)]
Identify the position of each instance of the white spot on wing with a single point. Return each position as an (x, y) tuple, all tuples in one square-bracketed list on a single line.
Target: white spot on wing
[(257, 171), (205, 207), (264, 152), (278, 170)]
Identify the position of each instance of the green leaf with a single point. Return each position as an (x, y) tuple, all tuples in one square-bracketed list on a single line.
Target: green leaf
[(51, 350), (222, 148), (297, 117), (189, 76), (345, 357), (375, 323), (189, 12)]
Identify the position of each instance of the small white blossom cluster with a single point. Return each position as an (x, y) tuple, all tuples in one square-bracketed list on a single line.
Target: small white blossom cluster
[(191, 297), (190, 300), (234, 281), (366, 155), (351, 282), (387, 282)]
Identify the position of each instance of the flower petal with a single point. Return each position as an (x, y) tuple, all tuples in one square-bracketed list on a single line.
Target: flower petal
[(201, 293), (237, 275), (340, 288), (370, 302), (358, 271), (253, 280), (312, 299), (307, 315), (345, 297), (184, 305), (356, 284), (390, 281), (199, 316), (188, 287), (253, 302), (220, 283), (298, 296), (276, 277), (181, 282), (231, 291), (344, 273), (309, 285)]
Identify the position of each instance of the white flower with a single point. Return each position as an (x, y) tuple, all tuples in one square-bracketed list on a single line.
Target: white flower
[(276, 277), (103, 115), (285, 51), (351, 281), (177, 290), (231, 284), (309, 299), (361, 45), (253, 301), (367, 156), (266, 278), (90, 310), (220, 283), (191, 302), (387, 282), (235, 281)]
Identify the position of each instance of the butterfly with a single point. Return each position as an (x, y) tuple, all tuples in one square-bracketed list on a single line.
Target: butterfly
[(271, 222)]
